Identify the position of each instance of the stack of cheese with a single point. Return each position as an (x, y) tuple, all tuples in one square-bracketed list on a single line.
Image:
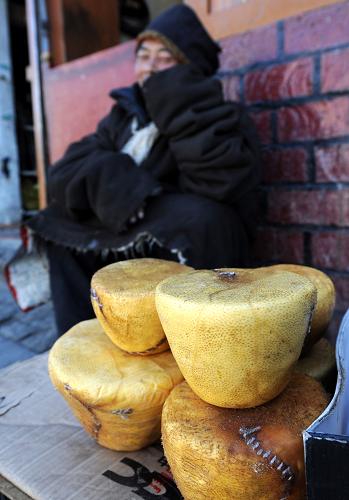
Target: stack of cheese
[(116, 371), (233, 429)]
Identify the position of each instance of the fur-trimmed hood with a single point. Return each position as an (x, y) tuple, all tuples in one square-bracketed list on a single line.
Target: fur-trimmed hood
[(181, 31)]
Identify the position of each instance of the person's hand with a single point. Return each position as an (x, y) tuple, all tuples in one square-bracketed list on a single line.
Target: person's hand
[(172, 97)]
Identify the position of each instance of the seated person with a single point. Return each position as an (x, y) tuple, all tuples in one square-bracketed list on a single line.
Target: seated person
[(169, 173)]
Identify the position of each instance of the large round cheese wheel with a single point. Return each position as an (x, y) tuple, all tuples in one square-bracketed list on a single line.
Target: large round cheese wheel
[(117, 397), (236, 335), (123, 299), (249, 454), (326, 296), (319, 362)]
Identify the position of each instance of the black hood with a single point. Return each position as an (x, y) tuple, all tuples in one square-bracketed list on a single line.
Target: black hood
[(182, 28)]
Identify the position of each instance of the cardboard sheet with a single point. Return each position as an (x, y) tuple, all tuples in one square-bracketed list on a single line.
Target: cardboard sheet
[(46, 454)]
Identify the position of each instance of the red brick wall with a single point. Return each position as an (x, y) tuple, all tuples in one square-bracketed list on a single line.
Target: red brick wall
[(294, 78)]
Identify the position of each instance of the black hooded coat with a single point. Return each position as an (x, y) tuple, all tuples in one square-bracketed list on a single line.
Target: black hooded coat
[(197, 182)]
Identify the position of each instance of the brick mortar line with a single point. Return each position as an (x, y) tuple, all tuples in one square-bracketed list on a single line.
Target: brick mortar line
[(284, 59), (280, 38), (274, 127), (310, 164), (317, 75), (294, 101), (241, 91), (306, 186), (305, 227), (332, 141), (296, 186), (302, 228)]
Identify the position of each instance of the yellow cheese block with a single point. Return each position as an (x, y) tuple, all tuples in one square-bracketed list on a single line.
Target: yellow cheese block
[(319, 362), (236, 335), (123, 299), (117, 397), (250, 454), (326, 296)]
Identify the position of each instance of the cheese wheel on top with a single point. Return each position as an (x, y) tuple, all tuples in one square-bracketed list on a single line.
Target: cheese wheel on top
[(123, 299), (236, 334)]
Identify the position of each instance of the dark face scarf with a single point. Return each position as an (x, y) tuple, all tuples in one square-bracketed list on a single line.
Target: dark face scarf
[(181, 31)]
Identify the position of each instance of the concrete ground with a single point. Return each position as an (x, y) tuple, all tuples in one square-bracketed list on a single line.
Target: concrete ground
[(22, 335)]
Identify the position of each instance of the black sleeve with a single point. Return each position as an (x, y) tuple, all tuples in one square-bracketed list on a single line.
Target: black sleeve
[(214, 142), (93, 178)]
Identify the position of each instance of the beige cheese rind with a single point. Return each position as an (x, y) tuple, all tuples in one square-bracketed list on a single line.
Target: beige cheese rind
[(326, 297), (257, 453), (117, 397), (123, 299), (236, 341)]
